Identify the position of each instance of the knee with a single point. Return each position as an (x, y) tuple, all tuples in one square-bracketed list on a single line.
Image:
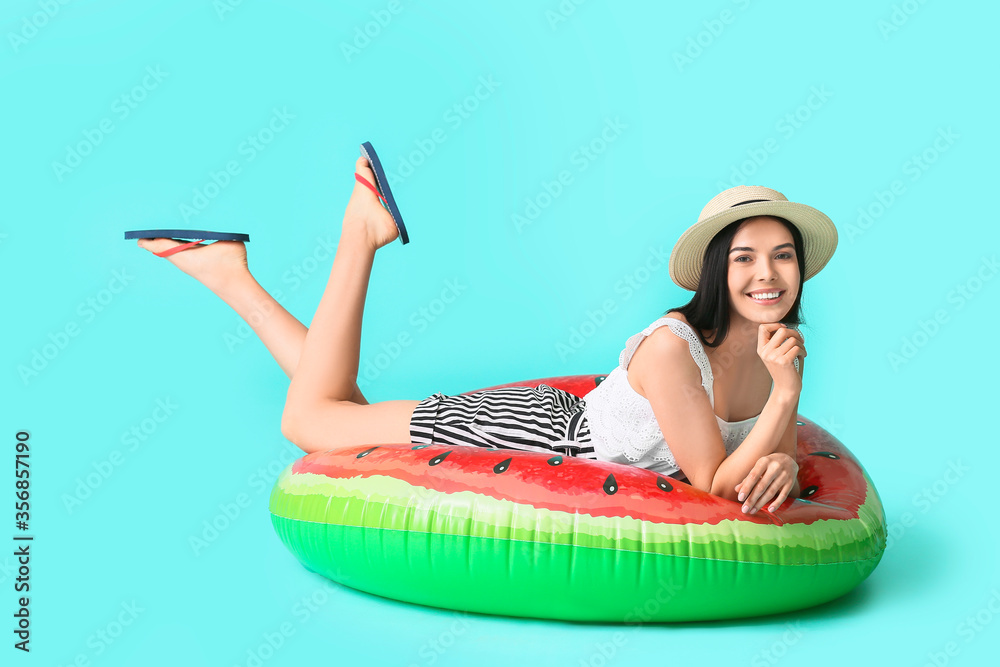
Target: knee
[(296, 418), (305, 428), (289, 427)]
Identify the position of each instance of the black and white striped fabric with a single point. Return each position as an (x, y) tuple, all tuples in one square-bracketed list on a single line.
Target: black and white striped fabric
[(538, 419)]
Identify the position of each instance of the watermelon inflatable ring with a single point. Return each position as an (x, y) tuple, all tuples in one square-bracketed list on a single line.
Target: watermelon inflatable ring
[(537, 535)]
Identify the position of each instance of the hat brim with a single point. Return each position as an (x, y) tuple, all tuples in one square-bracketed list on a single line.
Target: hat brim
[(819, 235)]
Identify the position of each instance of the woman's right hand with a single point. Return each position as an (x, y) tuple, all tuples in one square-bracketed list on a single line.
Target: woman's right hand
[(778, 346)]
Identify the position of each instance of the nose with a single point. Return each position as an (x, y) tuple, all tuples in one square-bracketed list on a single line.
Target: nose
[(766, 272)]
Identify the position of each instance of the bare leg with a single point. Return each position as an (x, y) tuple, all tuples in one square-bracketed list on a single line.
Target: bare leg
[(324, 408), (282, 334), (333, 344), (224, 270), (319, 413)]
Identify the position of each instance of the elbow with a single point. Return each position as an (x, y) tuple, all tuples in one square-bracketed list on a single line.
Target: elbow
[(727, 494), (716, 490), (714, 487), (723, 489), (701, 484), (712, 478)]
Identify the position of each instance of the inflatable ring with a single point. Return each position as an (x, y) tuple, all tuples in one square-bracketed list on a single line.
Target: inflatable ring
[(538, 535)]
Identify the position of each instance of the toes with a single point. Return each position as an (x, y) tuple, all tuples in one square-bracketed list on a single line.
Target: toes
[(362, 167), (158, 244)]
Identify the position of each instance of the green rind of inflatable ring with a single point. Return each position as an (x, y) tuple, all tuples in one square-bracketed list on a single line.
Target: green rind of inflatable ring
[(518, 560), (559, 581)]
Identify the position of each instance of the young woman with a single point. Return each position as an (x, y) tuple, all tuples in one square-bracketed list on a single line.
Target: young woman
[(727, 407), (719, 378)]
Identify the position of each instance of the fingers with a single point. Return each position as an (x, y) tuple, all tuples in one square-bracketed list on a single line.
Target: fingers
[(790, 335), (751, 479), (754, 485), (759, 495), (789, 342), (788, 349), (775, 335), (772, 492), (779, 499), (771, 479), (768, 483), (790, 354)]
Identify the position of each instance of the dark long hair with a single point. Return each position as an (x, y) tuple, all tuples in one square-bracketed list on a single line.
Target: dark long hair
[(708, 309)]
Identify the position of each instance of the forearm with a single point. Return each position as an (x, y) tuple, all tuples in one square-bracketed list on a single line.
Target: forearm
[(763, 439), (791, 446)]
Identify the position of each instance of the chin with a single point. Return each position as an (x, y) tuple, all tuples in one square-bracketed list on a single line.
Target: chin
[(758, 318)]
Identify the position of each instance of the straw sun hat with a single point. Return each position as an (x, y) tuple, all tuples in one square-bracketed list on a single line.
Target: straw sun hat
[(819, 235)]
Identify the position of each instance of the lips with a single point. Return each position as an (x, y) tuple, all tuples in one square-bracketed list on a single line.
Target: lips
[(767, 302)]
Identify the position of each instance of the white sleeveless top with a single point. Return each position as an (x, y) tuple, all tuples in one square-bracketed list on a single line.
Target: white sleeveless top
[(623, 428)]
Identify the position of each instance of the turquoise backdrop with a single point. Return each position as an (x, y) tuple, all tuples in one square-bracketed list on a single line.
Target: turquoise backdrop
[(546, 156)]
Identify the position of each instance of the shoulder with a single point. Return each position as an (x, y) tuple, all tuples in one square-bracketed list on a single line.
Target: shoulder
[(665, 354), (674, 332), (676, 316), (666, 334)]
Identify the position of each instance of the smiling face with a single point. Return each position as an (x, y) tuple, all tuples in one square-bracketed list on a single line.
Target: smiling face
[(762, 260)]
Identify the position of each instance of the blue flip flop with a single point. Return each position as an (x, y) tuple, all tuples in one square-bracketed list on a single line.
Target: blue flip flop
[(381, 188), (198, 234)]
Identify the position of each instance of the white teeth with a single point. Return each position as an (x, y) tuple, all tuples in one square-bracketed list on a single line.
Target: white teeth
[(765, 296)]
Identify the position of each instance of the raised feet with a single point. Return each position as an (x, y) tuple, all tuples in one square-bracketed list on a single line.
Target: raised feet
[(365, 215), (216, 265)]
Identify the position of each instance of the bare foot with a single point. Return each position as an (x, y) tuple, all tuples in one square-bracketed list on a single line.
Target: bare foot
[(214, 264), (365, 213)]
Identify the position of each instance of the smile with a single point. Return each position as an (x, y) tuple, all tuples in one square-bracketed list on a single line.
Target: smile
[(775, 297)]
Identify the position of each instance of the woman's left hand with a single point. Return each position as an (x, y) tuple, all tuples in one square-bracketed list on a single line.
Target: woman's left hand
[(771, 478)]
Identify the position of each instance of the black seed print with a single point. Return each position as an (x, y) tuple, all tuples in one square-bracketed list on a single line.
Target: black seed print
[(437, 459), (664, 484), (366, 452), (599, 379), (808, 491), (419, 446), (502, 466), (610, 485), (555, 460), (800, 423), (828, 455)]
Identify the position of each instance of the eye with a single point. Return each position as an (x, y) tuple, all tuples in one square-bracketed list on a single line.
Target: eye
[(780, 254)]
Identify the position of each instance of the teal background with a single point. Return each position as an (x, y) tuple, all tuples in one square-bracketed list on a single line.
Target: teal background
[(911, 399)]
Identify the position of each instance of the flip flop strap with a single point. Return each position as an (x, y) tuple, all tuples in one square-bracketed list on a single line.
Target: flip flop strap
[(178, 248), (361, 179)]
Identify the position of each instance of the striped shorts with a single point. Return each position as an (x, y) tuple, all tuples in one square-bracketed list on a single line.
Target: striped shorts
[(537, 419)]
